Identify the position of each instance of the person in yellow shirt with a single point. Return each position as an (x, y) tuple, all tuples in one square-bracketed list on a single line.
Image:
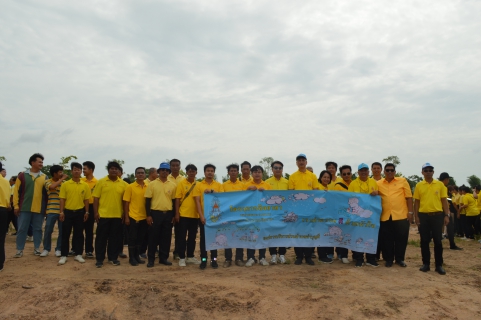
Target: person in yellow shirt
[(278, 182), (303, 179), (135, 217), (208, 185), (331, 167), (186, 217), (256, 184), (346, 176), (108, 210), (158, 206), (233, 185), (152, 175), (366, 185), (246, 172), (88, 171), (376, 168), (175, 177), (470, 206), (450, 230), (396, 216), (455, 202), (431, 212), (4, 204), (74, 204)]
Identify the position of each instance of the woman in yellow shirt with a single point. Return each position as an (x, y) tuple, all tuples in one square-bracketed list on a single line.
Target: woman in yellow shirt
[(470, 206)]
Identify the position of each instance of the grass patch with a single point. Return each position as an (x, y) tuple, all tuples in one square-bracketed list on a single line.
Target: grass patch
[(415, 243)]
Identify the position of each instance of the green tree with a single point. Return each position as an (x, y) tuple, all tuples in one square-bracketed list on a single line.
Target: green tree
[(120, 162), (2, 158), (452, 182), (266, 165), (64, 162), (473, 181), (413, 180), (392, 159), (286, 175)]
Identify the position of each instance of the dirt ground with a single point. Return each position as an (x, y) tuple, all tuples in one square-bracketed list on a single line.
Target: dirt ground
[(37, 288)]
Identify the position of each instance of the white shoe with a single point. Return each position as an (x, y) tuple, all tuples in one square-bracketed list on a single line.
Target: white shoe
[(19, 254), (282, 259), (58, 253), (79, 258), (192, 260), (464, 238), (182, 263), (345, 260), (44, 253), (62, 260), (263, 262), (273, 260), (250, 262), (30, 238)]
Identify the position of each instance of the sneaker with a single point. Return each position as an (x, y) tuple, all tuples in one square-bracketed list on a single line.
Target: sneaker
[(227, 264), (143, 255), (331, 256), (345, 260), (79, 258), (176, 256), (122, 255), (372, 264), (115, 262), (203, 264), (89, 255), (36, 252), (62, 260), (192, 260), (359, 263), (250, 262), (273, 260), (325, 260), (44, 253), (71, 253), (182, 263), (282, 259), (19, 254), (298, 262), (464, 238), (240, 263), (30, 238), (213, 264), (58, 253), (99, 264), (456, 248), (263, 262)]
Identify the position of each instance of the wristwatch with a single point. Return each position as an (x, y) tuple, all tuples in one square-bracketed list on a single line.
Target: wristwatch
[(447, 215), (87, 212), (411, 213)]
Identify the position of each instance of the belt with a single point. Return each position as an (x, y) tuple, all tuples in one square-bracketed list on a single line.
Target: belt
[(161, 211), (75, 211), (432, 213)]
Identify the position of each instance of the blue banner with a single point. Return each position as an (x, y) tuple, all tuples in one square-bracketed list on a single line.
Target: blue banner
[(262, 219)]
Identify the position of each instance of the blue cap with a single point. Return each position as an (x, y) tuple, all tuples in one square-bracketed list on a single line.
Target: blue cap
[(362, 166), (427, 165), (301, 155), (164, 165)]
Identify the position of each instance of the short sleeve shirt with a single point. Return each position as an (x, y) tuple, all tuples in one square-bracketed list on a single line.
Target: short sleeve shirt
[(430, 195), (134, 195), (202, 186), (110, 194), (393, 198), (187, 208), (161, 194), (281, 184), (74, 193), (303, 181)]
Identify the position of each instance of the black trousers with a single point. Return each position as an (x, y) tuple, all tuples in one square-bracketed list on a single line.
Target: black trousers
[(137, 231), (177, 249), (451, 230), (429, 229), (303, 252), (3, 225), (470, 226), (239, 254), (358, 256), (203, 251), (13, 219), (393, 238), (274, 251), (89, 230), (125, 238), (75, 220), (160, 233), (252, 252), (185, 239), (464, 224), (459, 226), (109, 234)]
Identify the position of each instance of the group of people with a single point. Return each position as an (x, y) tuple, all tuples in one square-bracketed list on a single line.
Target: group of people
[(142, 214)]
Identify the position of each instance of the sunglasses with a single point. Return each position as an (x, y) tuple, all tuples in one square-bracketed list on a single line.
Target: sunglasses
[(428, 170), (346, 174), (277, 168), (389, 170)]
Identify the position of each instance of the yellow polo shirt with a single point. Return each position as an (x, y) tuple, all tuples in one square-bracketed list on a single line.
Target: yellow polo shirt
[(472, 205), (303, 181), (230, 186), (161, 193), (91, 184), (359, 186), (262, 184), (281, 184), (202, 186), (479, 201), (338, 187), (332, 185), (393, 198), (134, 195), (187, 208), (74, 193), (455, 198), (430, 195), (175, 180), (246, 180), (460, 201), (4, 193), (110, 195)]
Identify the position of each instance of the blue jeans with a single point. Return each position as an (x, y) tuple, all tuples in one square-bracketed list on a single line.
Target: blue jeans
[(52, 218), (24, 220)]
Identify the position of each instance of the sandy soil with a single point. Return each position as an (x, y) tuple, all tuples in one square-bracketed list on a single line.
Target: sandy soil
[(79, 291)]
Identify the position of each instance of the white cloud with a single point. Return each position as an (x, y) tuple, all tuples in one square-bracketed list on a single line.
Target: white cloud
[(320, 200)]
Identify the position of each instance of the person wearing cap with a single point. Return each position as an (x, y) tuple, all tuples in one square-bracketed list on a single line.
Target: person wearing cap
[(303, 179), (396, 216), (208, 185), (159, 210), (431, 212), (366, 185), (470, 207), (444, 178), (175, 177), (108, 212), (4, 204)]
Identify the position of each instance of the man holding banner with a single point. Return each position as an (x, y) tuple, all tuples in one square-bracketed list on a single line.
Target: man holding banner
[(303, 179)]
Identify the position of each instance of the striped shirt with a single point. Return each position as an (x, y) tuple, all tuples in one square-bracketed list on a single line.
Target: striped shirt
[(53, 204)]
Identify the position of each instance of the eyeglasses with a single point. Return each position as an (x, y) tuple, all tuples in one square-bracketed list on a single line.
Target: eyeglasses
[(389, 170), (277, 168), (163, 169), (346, 174), (428, 170)]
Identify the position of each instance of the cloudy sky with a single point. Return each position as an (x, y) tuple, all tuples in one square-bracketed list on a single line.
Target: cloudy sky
[(227, 81)]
